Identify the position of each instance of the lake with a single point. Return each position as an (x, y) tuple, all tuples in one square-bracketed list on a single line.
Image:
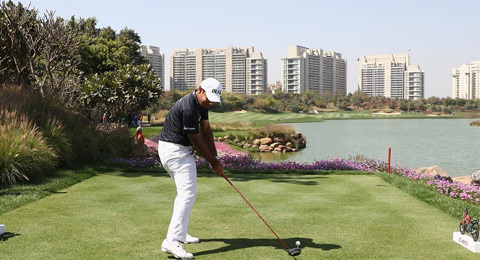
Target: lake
[(451, 144)]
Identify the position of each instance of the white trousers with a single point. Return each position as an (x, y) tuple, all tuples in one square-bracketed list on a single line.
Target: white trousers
[(179, 162)]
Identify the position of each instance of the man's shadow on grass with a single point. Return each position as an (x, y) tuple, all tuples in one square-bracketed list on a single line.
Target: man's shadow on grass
[(286, 178), (7, 235), (242, 243)]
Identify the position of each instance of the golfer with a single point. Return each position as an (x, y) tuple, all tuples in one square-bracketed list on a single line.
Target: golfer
[(187, 128)]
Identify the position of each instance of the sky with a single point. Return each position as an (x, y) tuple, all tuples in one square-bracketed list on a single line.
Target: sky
[(439, 35)]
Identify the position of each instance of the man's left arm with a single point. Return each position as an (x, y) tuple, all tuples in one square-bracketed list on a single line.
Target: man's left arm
[(207, 134)]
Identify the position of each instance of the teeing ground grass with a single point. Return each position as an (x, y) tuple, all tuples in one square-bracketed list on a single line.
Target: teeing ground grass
[(125, 215)]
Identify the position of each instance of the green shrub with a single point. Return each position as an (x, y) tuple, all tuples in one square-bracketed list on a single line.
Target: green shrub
[(229, 126), (272, 131), (53, 135), (67, 131), (57, 138), (115, 140), (24, 152)]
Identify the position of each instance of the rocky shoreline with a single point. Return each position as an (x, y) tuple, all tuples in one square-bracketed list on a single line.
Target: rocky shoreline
[(473, 179), (290, 143)]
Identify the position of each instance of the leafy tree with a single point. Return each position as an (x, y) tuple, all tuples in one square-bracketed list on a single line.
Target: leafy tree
[(39, 54), (434, 101), (471, 105), (358, 98), (449, 101), (436, 108), (102, 50), (343, 105), (260, 104), (461, 102), (403, 105), (18, 40), (392, 104), (120, 92), (447, 110)]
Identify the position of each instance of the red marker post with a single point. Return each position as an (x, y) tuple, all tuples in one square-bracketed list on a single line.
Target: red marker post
[(389, 154)]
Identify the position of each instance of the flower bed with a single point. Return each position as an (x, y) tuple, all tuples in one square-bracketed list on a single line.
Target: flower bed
[(455, 189), (242, 161)]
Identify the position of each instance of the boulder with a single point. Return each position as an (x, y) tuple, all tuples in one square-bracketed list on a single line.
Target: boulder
[(432, 171), (464, 179), (246, 146), (257, 142), (476, 176), (266, 141), (274, 145), (289, 144), (264, 148)]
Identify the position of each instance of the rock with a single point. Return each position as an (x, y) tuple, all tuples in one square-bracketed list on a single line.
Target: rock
[(464, 179), (274, 145), (246, 146), (476, 176), (266, 141), (264, 148), (432, 171), (289, 144), (300, 139), (279, 140), (257, 142)]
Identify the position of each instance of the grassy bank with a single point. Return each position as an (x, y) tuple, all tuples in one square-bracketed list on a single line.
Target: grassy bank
[(334, 214), (22, 194)]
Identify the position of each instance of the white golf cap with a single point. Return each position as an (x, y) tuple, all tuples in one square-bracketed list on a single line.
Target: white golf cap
[(213, 88)]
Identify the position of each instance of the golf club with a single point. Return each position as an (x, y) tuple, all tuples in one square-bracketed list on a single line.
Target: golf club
[(292, 252)]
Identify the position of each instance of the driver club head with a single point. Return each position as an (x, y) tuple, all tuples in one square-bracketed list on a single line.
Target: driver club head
[(294, 251)]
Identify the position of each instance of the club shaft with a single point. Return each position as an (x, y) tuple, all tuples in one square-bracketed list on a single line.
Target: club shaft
[(258, 214)]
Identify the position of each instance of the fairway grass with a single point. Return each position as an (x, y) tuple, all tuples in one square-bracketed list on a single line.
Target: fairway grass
[(125, 215), (261, 119)]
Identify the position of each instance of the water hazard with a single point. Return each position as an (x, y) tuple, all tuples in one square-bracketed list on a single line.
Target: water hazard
[(451, 144)]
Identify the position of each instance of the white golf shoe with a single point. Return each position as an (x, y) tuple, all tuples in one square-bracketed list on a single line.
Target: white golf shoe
[(191, 240), (176, 249)]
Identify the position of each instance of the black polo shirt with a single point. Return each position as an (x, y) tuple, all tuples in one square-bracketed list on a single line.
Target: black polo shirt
[(183, 119)]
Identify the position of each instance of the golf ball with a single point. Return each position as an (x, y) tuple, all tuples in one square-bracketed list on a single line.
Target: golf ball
[(297, 243)]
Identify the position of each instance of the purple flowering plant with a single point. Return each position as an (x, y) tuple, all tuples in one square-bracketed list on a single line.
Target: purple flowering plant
[(234, 160)]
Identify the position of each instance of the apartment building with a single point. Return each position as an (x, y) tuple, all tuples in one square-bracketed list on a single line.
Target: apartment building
[(390, 76), (239, 69), (466, 81), (156, 59), (306, 69)]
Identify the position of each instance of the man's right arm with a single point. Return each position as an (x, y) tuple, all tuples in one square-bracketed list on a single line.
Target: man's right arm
[(201, 147)]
